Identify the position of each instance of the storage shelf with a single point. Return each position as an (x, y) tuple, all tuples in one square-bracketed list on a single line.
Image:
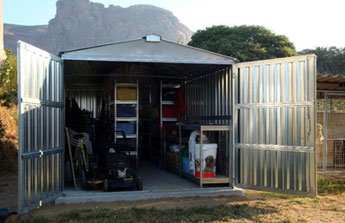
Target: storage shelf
[(124, 102), (171, 85), (168, 103), (169, 119), (128, 136), (132, 153), (133, 120), (201, 127), (219, 179), (125, 119), (134, 85)]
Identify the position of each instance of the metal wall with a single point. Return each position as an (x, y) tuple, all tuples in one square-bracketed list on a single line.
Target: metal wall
[(41, 135), (208, 101), (88, 99), (275, 124)]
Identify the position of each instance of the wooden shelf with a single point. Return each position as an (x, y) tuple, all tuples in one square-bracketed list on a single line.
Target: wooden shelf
[(219, 179)]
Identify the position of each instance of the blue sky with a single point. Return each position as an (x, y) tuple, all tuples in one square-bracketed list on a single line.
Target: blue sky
[(307, 23)]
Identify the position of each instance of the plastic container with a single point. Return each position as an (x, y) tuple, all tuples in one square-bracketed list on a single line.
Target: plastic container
[(169, 94), (191, 151), (185, 163), (169, 112), (176, 148), (128, 94), (209, 152), (125, 111), (128, 128)]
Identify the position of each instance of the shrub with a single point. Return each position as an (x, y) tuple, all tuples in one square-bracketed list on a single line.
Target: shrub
[(8, 79)]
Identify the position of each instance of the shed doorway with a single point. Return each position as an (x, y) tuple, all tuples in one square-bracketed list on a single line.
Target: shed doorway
[(151, 118)]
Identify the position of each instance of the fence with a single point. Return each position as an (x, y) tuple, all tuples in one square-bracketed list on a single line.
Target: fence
[(330, 137)]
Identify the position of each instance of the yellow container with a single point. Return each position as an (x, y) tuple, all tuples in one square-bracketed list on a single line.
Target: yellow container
[(129, 94)]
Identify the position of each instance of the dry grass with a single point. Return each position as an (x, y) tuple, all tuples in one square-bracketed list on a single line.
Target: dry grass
[(253, 207), (9, 149)]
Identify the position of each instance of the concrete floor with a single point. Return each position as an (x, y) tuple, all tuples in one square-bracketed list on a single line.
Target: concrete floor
[(158, 179), (157, 184)]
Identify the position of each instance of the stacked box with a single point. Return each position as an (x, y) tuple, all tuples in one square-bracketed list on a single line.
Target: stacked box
[(129, 94), (128, 128), (172, 160), (125, 111)]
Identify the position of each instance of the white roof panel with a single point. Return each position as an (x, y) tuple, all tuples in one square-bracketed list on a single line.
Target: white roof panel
[(143, 50)]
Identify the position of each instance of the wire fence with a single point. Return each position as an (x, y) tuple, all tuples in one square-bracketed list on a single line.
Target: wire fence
[(330, 137)]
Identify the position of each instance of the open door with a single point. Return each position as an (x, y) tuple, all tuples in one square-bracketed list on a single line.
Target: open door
[(41, 122), (274, 125)]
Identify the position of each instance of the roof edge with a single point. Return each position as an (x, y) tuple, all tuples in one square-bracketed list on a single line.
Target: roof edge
[(133, 40)]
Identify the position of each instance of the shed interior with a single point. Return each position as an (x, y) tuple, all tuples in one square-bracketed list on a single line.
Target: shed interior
[(205, 100)]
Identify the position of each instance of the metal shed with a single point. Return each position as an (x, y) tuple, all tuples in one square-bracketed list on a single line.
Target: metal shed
[(269, 106)]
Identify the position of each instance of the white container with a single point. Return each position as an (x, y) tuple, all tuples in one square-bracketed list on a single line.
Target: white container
[(176, 148), (209, 153), (191, 149)]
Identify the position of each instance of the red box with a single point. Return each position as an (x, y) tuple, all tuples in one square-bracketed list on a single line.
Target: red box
[(169, 112)]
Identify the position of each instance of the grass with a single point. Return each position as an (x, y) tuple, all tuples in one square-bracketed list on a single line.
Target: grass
[(200, 214), (327, 186), (277, 195)]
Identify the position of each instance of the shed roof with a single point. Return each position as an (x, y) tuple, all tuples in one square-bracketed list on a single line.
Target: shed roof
[(149, 49), (331, 82)]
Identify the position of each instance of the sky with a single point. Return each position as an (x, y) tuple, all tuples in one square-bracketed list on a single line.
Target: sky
[(307, 23)]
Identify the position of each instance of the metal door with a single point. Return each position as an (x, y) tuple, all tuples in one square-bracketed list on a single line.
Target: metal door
[(41, 136), (274, 125)]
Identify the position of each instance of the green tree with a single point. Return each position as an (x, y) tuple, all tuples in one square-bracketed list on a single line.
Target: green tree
[(8, 79), (246, 43), (330, 60)]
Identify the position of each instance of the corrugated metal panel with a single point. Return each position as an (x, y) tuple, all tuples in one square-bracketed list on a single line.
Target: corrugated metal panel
[(152, 52), (88, 99), (41, 135), (275, 128), (208, 101)]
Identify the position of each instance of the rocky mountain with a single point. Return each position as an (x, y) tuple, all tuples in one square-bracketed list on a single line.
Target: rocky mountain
[(81, 23)]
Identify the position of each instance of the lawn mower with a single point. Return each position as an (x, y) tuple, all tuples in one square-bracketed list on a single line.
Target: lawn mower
[(119, 173)]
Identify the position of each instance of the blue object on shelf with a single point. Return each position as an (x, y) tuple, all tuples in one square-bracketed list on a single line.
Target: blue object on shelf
[(128, 128), (185, 162), (125, 111)]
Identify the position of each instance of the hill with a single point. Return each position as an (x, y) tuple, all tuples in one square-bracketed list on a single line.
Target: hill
[(81, 23)]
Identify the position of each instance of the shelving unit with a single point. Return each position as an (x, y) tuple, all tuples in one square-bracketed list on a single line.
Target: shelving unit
[(134, 119), (165, 103), (219, 179)]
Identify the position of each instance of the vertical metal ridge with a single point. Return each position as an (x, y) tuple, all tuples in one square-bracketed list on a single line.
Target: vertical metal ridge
[(276, 81)]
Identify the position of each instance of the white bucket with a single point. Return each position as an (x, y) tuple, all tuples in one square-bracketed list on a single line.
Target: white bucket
[(191, 150), (209, 153)]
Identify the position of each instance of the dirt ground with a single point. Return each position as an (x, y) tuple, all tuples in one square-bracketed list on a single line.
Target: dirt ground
[(269, 207), (8, 158), (8, 190), (272, 207)]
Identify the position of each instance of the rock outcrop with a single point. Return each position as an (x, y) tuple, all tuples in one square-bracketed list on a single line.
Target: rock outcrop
[(81, 23)]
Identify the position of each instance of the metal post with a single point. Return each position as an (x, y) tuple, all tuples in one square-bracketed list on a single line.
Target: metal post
[(201, 156), (325, 132), (180, 149), (115, 107), (137, 128)]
